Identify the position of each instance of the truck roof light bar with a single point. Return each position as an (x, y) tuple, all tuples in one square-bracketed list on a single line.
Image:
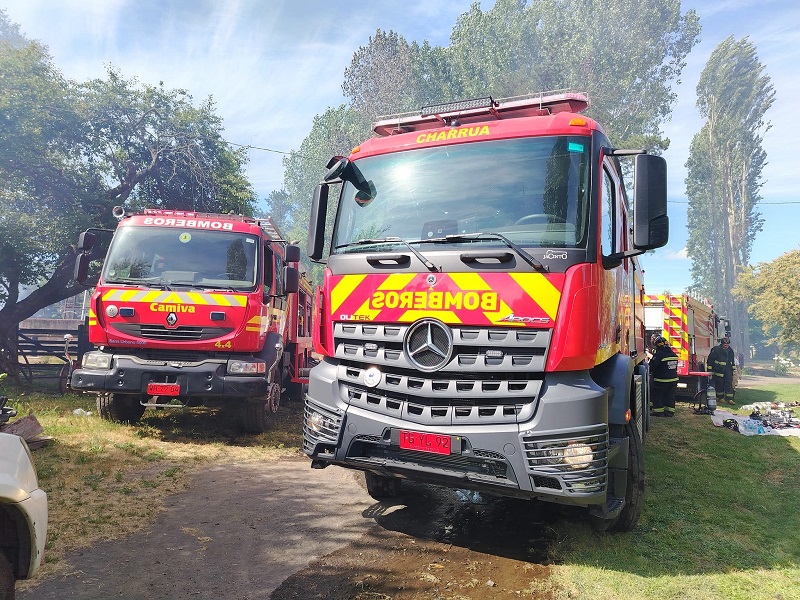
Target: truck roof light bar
[(449, 107), (196, 215), (480, 109)]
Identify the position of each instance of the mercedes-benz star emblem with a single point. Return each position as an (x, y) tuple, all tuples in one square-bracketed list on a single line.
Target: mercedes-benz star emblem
[(428, 345), (172, 318)]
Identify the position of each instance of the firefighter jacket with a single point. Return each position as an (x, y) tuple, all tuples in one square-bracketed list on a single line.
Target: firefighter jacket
[(721, 361), (664, 365)]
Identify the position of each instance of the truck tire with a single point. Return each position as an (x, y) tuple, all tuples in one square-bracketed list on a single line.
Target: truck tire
[(258, 412), (634, 488), (381, 487), (121, 408), (7, 579)]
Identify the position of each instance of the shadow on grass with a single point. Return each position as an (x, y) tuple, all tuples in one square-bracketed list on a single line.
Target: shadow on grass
[(209, 425)]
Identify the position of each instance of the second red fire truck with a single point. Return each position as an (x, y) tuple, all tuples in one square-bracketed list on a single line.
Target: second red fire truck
[(192, 309)]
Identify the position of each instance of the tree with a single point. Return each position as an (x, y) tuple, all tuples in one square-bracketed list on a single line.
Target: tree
[(69, 152), (516, 47), (771, 291), (724, 174), (333, 133), (520, 47)]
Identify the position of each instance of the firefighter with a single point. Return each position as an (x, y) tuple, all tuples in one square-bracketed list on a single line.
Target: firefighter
[(721, 363), (664, 367)]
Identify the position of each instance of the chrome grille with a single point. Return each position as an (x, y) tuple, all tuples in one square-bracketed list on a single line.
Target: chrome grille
[(513, 349)]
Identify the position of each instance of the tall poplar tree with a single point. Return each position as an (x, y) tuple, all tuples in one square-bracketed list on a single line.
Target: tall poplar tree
[(725, 175)]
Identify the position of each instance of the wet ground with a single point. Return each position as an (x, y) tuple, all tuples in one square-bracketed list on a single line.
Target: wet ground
[(282, 530)]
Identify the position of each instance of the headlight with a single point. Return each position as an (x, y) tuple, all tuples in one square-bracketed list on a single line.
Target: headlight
[(96, 360), (246, 367)]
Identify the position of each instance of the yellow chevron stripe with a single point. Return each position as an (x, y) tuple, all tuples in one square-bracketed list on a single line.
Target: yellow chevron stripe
[(343, 290), (172, 298), (469, 281), (219, 299), (364, 310), (413, 315), (540, 290), (196, 298), (396, 281), (254, 324)]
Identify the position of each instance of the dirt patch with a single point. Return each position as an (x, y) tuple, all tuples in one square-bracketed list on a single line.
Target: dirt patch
[(390, 565)]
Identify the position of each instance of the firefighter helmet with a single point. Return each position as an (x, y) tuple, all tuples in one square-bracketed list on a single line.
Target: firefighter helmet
[(661, 341)]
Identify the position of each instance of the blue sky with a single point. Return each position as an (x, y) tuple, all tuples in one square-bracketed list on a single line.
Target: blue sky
[(271, 67)]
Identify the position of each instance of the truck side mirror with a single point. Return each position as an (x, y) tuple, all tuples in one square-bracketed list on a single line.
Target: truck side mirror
[(291, 280), (292, 253), (316, 223), (81, 272), (86, 241), (650, 220)]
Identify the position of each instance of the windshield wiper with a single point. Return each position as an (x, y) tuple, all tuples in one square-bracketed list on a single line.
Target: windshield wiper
[(143, 282), (430, 266), (488, 235)]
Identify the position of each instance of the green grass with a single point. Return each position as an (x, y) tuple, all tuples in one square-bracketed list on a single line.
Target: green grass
[(721, 518)]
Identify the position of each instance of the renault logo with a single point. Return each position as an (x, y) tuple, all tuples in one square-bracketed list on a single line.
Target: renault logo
[(172, 318), (428, 345)]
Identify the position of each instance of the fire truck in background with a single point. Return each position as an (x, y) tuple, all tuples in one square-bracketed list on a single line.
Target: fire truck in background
[(692, 329), (481, 314), (194, 309)]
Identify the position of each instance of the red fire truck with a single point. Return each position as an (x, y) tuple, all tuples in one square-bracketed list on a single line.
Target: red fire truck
[(692, 329), (192, 309), (481, 316)]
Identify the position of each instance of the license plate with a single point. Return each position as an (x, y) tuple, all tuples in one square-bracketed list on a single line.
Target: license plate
[(425, 442), (164, 389)]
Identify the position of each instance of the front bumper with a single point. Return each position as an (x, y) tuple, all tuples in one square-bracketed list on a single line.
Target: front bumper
[(519, 459), (207, 378)]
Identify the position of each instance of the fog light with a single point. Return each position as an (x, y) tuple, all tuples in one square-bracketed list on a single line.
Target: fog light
[(318, 423), (578, 456)]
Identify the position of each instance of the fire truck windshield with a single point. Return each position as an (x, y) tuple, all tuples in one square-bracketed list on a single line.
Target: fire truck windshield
[(532, 191), (165, 256)]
